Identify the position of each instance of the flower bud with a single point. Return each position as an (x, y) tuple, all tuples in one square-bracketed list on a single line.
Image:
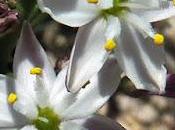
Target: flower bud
[(8, 17)]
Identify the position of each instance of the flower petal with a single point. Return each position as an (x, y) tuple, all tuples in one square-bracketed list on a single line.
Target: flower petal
[(26, 105), (92, 123), (161, 9), (97, 92), (113, 27), (140, 24), (88, 54), (70, 12), (150, 4), (105, 4), (29, 127), (71, 125), (30, 54), (8, 117), (60, 98), (158, 15), (170, 81), (170, 86), (11, 129), (59, 84), (141, 60)]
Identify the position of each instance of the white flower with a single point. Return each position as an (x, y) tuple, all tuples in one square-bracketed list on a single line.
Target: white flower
[(38, 100), (73, 13), (118, 27)]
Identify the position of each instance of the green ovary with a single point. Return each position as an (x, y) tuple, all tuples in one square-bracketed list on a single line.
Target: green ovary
[(47, 120), (116, 10)]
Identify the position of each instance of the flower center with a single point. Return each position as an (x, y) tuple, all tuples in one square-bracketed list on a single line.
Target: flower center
[(47, 120), (116, 10)]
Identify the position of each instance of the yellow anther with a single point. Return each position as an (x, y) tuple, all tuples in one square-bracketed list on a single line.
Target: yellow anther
[(12, 98), (92, 1), (36, 71), (110, 45), (158, 39)]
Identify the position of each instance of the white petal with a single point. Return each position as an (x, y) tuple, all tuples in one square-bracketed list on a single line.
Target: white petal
[(10, 128), (59, 84), (29, 54), (60, 98), (140, 23), (134, 7), (70, 12), (71, 125), (148, 3), (29, 127), (93, 123), (97, 92), (88, 54), (155, 10), (42, 94), (105, 4), (141, 60), (158, 15), (26, 105), (8, 117), (139, 7), (113, 27)]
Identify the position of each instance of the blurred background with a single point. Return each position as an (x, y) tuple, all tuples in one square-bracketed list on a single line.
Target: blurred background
[(135, 111)]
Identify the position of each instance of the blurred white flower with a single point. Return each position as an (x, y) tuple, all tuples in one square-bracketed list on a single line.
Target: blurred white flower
[(39, 99), (118, 27), (74, 13)]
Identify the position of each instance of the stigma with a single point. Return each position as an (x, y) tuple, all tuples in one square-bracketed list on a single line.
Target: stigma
[(158, 39), (110, 45), (36, 71), (92, 1), (12, 98)]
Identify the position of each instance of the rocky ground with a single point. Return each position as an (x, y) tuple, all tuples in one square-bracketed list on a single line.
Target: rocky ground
[(153, 113)]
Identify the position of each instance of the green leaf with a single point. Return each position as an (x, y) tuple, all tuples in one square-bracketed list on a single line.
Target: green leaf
[(26, 7), (7, 45)]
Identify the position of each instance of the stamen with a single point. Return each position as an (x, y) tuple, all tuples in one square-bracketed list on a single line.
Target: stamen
[(110, 45), (36, 71), (92, 1), (174, 2), (12, 98), (158, 39)]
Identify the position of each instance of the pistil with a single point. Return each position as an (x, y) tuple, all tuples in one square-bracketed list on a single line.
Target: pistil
[(47, 120)]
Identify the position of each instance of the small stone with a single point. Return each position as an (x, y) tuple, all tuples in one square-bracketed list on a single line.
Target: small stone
[(126, 103), (160, 102), (61, 41), (159, 126), (145, 114), (129, 122)]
